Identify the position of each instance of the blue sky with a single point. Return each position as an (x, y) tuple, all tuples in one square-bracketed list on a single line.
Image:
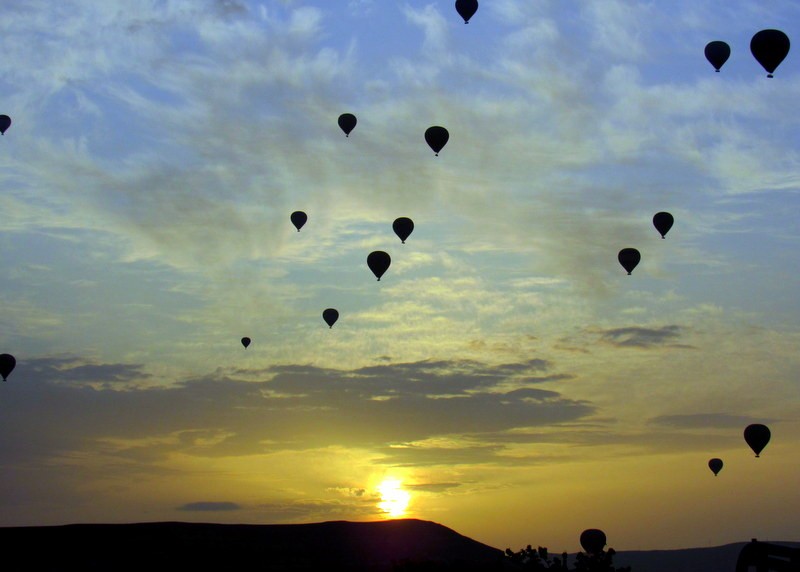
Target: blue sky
[(158, 148)]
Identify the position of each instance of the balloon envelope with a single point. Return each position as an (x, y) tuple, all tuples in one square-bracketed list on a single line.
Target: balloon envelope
[(299, 218), (629, 258), (7, 363), (715, 465), (378, 262), (436, 137), (757, 436), (5, 123), (717, 53), (593, 540), (347, 122), (330, 315), (403, 227), (769, 47), (245, 342), (663, 222), (466, 9)]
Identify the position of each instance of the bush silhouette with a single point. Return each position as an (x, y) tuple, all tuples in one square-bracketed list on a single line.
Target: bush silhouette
[(539, 559)]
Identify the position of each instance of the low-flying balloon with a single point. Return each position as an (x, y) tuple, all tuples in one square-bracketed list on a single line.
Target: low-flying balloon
[(299, 218), (663, 222), (436, 137), (757, 436), (593, 540), (347, 122), (378, 262), (629, 258), (245, 342), (715, 465), (7, 363), (330, 315), (717, 53), (466, 9), (769, 48), (5, 123), (403, 227)]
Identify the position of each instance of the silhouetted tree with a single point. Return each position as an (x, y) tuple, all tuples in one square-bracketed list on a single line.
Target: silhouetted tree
[(538, 559), (602, 561)]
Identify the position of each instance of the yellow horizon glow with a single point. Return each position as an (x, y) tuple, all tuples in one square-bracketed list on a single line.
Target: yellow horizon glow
[(394, 500)]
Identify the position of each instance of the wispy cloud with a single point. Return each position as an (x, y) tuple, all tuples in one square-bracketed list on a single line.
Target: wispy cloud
[(209, 506), (640, 337)]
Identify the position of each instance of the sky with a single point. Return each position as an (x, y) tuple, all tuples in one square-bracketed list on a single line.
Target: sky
[(506, 377)]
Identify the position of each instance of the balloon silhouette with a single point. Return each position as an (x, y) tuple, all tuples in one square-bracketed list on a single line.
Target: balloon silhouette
[(466, 9), (5, 123), (769, 47), (717, 53), (7, 363), (757, 436), (378, 262), (299, 218), (347, 122), (715, 465), (245, 342), (629, 258), (436, 137), (330, 316), (663, 222), (403, 227), (593, 540)]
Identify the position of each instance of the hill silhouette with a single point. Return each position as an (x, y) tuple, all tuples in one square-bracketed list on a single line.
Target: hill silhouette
[(712, 559), (329, 546), (339, 545)]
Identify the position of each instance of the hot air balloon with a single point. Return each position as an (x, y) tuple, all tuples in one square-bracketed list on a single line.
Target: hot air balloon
[(436, 137), (7, 363), (378, 262), (629, 258), (299, 218), (769, 47), (663, 222), (5, 123), (466, 9), (757, 436), (245, 342), (330, 316), (347, 121), (715, 465), (403, 227), (717, 53), (593, 540)]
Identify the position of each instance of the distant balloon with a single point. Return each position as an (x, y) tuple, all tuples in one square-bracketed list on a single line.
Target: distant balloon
[(715, 465), (245, 342), (769, 48), (629, 258), (299, 218), (7, 363), (466, 9), (436, 137), (5, 123), (757, 436), (403, 227), (378, 262), (347, 121), (330, 316), (717, 53), (593, 540), (663, 222)]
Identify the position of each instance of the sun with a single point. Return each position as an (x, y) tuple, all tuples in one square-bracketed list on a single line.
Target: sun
[(394, 500)]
